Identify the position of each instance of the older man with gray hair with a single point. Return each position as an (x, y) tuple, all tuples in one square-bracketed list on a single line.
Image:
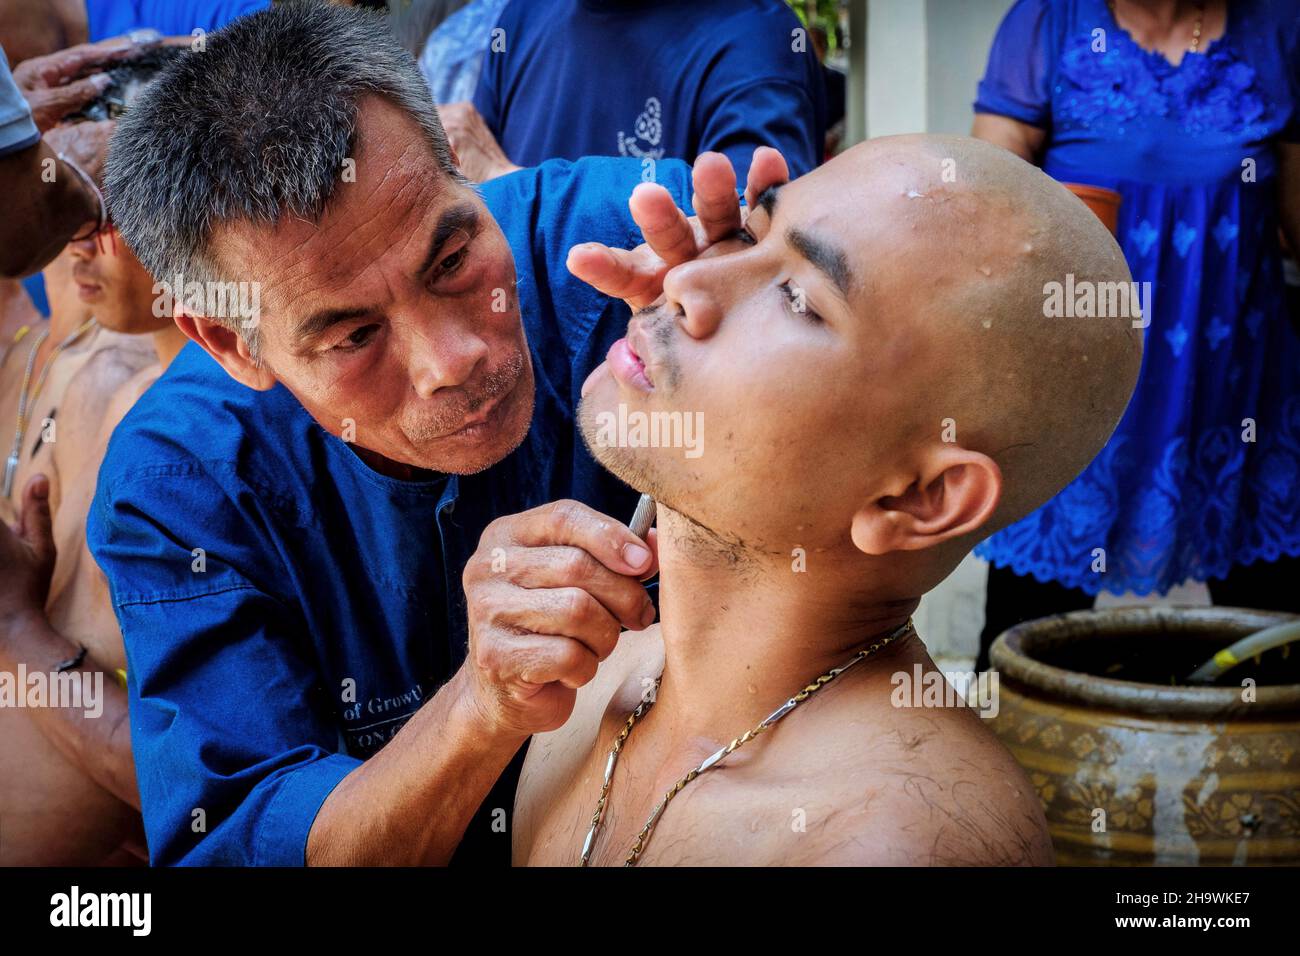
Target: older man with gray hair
[(347, 592)]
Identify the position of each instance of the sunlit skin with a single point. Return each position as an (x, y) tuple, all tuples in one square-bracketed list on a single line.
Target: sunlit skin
[(74, 800), (427, 355), (111, 278), (68, 312), (826, 502)]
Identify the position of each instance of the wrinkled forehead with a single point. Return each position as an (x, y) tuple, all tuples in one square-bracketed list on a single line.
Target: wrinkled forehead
[(380, 209)]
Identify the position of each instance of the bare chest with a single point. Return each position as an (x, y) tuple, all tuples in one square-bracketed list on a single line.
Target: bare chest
[(32, 436), (739, 814)]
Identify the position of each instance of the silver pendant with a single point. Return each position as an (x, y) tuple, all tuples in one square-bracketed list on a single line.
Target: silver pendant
[(11, 467)]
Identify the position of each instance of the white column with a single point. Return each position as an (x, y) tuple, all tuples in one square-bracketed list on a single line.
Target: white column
[(896, 67)]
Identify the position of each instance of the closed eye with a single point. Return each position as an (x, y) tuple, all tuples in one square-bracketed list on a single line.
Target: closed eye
[(451, 263), (796, 301), (358, 340)]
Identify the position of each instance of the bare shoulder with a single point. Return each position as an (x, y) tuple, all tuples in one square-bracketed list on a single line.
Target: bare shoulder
[(89, 399), (95, 387), (554, 758), (931, 786), (126, 395)]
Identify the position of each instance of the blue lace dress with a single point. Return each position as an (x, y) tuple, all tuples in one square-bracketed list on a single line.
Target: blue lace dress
[(1181, 491)]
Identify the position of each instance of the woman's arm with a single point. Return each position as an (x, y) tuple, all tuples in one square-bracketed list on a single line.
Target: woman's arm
[(1022, 139)]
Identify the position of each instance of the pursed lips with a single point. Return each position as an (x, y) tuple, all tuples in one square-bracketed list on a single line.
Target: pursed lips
[(638, 343), (85, 278), (483, 416)]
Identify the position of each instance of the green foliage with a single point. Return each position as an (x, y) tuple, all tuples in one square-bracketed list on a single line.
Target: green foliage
[(826, 14)]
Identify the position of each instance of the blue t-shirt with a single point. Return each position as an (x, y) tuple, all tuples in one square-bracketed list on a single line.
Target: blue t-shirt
[(570, 78), (318, 570), (110, 18)]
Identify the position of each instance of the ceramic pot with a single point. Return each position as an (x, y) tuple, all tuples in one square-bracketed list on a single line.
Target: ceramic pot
[(1134, 767), (1103, 202)]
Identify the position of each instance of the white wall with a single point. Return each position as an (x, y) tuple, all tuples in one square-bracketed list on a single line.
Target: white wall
[(896, 67), (924, 59), (959, 35)]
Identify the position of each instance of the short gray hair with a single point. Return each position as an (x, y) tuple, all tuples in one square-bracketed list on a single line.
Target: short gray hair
[(255, 127)]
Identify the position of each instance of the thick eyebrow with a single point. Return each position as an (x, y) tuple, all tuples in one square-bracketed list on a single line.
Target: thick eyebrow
[(826, 258), (461, 216), (767, 200)]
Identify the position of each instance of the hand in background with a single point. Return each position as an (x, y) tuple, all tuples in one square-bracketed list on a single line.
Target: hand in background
[(478, 154), (27, 555), (85, 143), (65, 81)]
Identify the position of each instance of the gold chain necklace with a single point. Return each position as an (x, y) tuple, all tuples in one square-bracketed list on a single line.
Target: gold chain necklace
[(26, 399), (709, 763), (1195, 46)]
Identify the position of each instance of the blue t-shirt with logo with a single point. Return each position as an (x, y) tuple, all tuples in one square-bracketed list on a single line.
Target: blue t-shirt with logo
[(259, 569), (571, 78)]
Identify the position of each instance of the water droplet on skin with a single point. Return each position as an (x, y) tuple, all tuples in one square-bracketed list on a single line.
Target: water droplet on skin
[(986, 270), (913, 194), (987, 323), (1027, 247), (753, 689)]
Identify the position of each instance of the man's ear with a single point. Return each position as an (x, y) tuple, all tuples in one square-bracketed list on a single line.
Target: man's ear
[(228, 347), (954, 493)]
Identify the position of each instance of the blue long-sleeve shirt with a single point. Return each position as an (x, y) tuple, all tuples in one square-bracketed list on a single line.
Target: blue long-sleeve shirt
[(571, 78), (318, 574)]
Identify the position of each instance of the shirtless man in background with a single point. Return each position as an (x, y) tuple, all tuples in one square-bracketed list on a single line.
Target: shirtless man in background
[(67, 782), (71, 307), (863, 306), (16, 311)]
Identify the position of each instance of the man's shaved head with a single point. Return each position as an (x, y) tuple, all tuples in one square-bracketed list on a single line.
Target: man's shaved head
[(877, 374), (1040, 395)]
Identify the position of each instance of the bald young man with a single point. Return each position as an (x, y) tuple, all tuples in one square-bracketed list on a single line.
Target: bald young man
[(862, 306)]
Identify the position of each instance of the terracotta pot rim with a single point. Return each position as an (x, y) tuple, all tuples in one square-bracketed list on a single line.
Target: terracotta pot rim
[(1010, 656), (1101, 193)]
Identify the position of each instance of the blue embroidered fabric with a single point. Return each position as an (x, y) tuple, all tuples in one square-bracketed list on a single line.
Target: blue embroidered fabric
[(1202, 472)]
